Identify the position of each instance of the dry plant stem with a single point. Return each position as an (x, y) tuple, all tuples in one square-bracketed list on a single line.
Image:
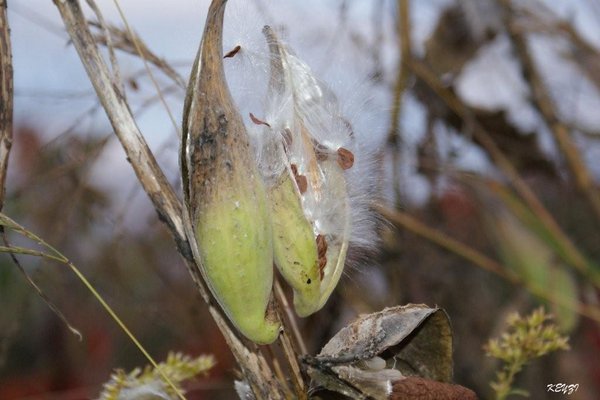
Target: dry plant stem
[(285, 342), (109, 45), (255, 368), (290, 354), (545, 105), (481, 260), (394, 135), (6, 98), (151, 177), (278, 370), (573, 256), (291, 319)]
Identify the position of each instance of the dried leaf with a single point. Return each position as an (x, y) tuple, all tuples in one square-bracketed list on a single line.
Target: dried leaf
[(381, 348)]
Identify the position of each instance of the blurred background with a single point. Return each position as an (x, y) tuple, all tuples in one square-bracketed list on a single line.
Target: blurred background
[(482, 121)]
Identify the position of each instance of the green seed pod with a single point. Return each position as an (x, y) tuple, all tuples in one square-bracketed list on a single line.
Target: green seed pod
[(224, 194), (309, 200), (294, 245)]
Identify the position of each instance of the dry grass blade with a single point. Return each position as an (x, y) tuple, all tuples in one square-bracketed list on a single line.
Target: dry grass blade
[(55, 255), (6, 126), (13, 251)]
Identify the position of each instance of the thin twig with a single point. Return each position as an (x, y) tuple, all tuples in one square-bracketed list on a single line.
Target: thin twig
[(289, 350), (291, 357), (13, 251), (291, 319), (278, 371), (109, 45), (124, 42)]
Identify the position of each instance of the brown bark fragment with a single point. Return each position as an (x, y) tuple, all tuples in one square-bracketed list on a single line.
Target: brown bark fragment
[(415, 388)]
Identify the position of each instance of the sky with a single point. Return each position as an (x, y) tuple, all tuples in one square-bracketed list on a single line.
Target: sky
[(53, 93)]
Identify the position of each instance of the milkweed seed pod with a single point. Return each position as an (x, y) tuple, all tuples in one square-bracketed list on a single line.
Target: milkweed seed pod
[(305, 179), (225, 195)]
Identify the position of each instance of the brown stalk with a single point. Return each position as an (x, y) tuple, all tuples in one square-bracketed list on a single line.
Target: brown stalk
[(253, 365), (545, 105), (394, 135), (6, 98)]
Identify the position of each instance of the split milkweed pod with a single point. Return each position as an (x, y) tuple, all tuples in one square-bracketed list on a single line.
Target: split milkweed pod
[(307, 191), (225, 197)]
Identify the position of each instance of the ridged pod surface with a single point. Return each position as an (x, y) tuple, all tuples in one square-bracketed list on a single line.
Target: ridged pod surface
[(225, 195)]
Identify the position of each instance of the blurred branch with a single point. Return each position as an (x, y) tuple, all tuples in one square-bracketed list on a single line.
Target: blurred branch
[(155, 184), (6, 98), (435, 236), (572, 254), (545, 105), (585, 54), (394, 136)]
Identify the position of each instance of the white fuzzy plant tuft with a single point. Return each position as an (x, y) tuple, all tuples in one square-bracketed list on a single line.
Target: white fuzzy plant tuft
[(298, 129)]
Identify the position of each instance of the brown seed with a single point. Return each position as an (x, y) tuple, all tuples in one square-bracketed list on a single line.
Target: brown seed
[(322, 264), (322, 152), (233, 52), (287, 136), (301, 180), (258, 121), (321, 246), (345, 158), (302, 183)]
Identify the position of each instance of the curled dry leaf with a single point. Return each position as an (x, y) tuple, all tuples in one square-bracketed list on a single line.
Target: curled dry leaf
[(371, 355)]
